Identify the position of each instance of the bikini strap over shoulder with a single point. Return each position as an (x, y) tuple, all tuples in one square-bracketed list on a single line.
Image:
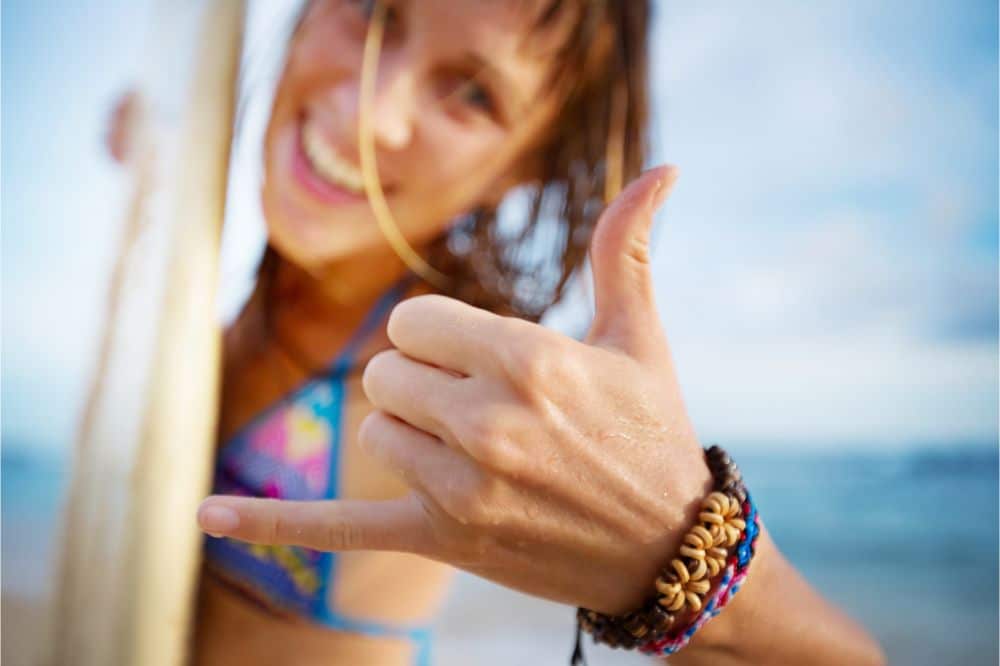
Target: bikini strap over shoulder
[(385, 302)]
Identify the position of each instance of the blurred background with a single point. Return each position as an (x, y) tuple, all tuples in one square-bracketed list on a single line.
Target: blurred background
[(826, 269)]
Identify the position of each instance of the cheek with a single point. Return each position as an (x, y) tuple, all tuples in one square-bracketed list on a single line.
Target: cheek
[(459, 167)]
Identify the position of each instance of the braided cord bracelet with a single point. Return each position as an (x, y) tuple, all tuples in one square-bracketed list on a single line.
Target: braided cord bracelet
[(736, 572), (728, 518)]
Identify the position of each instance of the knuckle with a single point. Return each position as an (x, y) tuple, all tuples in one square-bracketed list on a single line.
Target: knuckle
[(637, 249), (479, 428), (474, 549), (537, 361), (453, 500), (485, 436), (499, 455), (482, 505), (471, 503), (474, 512), (273, 528), (339, 534), (530, 364)]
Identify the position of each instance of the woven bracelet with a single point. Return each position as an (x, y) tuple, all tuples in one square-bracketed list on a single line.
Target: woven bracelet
[(723, 542), (735, 573)]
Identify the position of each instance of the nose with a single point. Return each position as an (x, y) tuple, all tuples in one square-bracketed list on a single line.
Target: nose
[(392, 107)]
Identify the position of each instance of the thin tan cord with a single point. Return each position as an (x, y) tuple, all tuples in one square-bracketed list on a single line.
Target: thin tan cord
[(614, 155), (366, 145)]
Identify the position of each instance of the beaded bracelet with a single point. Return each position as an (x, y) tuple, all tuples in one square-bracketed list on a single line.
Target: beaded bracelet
[(728, 518), (736, 572)]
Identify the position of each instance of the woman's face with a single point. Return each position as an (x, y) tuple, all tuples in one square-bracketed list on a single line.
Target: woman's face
[(458, 99)]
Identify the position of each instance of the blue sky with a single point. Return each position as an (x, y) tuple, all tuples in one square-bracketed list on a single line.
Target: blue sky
[(826, 268)]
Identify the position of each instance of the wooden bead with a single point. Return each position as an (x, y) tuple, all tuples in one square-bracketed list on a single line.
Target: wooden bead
[(711, 517), (687, 578), (635, 625), (682, 573), (659, 620), (699, 571), (673, 604), (704, 536)]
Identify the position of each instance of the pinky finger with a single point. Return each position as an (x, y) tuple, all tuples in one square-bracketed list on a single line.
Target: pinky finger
[(331, 525)]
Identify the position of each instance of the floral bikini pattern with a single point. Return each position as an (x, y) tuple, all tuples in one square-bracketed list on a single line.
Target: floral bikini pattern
[(292, 451), (286, 453)]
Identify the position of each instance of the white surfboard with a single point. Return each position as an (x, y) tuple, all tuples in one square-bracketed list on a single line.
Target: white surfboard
[(131, 547)]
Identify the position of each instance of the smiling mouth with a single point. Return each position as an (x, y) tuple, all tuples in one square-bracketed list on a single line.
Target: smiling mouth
[(327, 163)]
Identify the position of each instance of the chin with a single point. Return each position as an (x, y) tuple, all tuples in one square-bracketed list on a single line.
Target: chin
[(347, 242), (307, 239), (313, 252)]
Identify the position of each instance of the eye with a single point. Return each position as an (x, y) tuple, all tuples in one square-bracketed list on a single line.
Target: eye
[(476, 95), (465, 97), (367, 9)]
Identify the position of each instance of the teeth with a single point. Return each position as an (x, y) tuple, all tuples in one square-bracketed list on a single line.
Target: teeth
[(327, 163)]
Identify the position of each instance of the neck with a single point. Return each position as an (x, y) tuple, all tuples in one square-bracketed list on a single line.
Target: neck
[(337, 290)]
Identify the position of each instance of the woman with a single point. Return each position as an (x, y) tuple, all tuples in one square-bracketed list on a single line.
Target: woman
[(450, 434)]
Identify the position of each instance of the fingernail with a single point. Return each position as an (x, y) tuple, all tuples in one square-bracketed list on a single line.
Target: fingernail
[(654, 197), (666, 184), (217, 519)]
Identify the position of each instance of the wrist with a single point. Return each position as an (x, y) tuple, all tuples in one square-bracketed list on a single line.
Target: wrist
[(712, 564), (745, 608), (628, 584)]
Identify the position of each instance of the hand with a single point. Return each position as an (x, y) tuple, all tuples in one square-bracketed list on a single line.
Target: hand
[(565, 469), (119, 136)]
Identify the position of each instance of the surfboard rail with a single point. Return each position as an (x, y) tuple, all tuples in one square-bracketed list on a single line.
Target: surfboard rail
[(130, 545)]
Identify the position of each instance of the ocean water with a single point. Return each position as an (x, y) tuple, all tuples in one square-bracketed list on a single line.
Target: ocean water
[(905, 543)]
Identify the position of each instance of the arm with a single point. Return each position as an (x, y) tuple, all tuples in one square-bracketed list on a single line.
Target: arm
[(778, 618)]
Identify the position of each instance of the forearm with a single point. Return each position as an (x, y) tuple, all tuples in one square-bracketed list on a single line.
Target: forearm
[(778, 618)]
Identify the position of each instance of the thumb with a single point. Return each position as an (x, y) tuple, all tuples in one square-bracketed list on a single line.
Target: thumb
[(625, 307)]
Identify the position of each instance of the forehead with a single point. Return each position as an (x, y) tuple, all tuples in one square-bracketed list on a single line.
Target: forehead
[(511, 35), (499, 20)]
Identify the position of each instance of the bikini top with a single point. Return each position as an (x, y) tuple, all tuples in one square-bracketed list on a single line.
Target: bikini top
[(291, 450)]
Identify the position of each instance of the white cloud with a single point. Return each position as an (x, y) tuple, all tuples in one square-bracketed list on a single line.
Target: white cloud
[(814, 265)]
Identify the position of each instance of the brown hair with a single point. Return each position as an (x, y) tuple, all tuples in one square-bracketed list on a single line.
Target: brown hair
[(597, 136), (604, 113)]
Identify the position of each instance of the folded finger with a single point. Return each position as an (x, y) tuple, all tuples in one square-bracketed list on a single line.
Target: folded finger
[(423, 461), (447, 333), (423, 396)]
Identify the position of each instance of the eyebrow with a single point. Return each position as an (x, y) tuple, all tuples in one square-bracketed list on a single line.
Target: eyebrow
[(481, 64)]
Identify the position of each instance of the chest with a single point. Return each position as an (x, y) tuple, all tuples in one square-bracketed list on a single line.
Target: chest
[(284, 435)]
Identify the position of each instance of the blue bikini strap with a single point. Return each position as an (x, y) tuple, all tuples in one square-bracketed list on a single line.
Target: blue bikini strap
[(386, 301)]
